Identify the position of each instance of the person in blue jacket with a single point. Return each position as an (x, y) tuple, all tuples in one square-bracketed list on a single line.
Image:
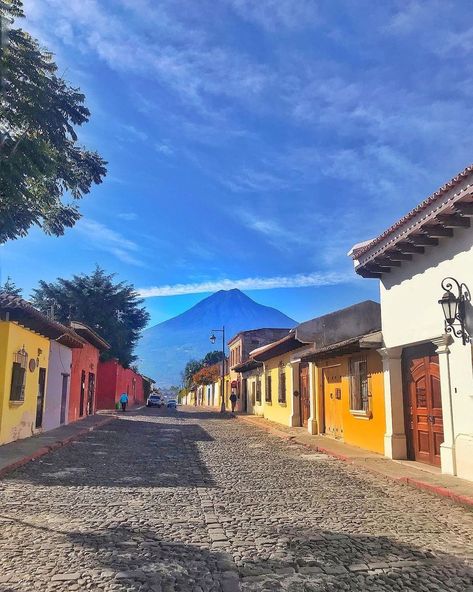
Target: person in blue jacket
[(124, 401)]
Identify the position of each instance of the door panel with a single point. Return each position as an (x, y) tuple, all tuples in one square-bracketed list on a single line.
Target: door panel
[(332, 382), (40, 398), (304, 394), (65, 380), (82, 394), (91, 394), (423, 404)]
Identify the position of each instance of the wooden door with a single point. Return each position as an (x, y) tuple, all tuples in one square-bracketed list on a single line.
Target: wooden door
[(82, 394), (332, 388), (40, 398), (424, 420), (91, 393), (65, 380), (304, 394)]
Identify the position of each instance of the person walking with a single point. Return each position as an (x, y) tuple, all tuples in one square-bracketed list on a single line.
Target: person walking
[(233, 400), (124, 401)]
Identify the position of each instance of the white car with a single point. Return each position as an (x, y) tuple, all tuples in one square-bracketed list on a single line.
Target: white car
[(154, 401)]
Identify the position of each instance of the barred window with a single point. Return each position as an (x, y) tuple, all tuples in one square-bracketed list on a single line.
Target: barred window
[(267, 395), (359, 400), (282, 386), (258, 390), (253, 393), (18, 377)]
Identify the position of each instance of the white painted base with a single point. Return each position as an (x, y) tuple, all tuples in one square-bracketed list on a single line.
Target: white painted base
[(294, 421), (395, 446), (312, 426), (447, 459)]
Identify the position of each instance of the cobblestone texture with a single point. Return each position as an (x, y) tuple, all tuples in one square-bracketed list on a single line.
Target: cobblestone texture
[(185, 501)]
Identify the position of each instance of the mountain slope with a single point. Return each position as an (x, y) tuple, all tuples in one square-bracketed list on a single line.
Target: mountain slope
[(165, 348)]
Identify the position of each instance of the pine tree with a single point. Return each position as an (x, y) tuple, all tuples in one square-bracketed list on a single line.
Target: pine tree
[(11, 288), (113, 309)]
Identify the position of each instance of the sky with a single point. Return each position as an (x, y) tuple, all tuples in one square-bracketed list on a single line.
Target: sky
[(251, 143)]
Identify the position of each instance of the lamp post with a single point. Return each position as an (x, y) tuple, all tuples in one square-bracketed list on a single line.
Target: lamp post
[(453, 305), (213, 339)]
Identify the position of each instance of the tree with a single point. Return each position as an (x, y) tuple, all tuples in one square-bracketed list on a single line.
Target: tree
[(113, 309), (212, 357), (11, 288), (207, 375), (190, 369), (40, 158)]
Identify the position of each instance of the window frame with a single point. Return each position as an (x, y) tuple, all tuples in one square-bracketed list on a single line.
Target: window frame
[(18, 380), (268, 391), (258, 390), (282, 386), (359, 383)]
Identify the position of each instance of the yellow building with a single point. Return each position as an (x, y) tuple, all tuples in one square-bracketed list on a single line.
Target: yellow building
[(25, 335), (348, 392)]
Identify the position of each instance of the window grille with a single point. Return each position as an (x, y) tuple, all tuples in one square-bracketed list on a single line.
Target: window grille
[(282, 386), (18, 378), (258, 390), (268, 394), (359, 392)]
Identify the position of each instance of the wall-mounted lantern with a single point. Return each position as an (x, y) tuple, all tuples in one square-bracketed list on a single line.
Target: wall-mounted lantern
[(453, 305)]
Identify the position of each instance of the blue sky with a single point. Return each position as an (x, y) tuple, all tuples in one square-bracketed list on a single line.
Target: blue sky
[(251, 144)]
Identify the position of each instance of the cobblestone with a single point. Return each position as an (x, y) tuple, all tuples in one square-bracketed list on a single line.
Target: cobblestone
[(196, 502)]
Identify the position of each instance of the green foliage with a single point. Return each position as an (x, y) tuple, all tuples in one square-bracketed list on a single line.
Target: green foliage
[(11, 288), (40, 158), (113, 309), (191, 368), (212, 358)]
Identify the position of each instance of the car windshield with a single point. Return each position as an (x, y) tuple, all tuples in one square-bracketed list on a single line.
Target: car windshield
[(154, 397)]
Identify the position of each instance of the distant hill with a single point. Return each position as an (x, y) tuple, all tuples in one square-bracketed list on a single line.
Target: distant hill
[(165, 348)]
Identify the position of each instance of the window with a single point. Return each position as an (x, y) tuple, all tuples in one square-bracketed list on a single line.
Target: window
[(253, 393), (282, 386), (359, 400), (17, 391), (268, 395), (258, 390)]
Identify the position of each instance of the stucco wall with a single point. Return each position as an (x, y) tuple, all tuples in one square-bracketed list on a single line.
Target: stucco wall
[(276, 411), (87, 359), (17, 420), (411, 314), (113, 380), (60, 360)]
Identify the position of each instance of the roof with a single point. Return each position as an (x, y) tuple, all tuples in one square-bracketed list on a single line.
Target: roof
[(247, 365), (275, 330), (15, 308), (277, 348), (347, 346), (89, 335), (435, 218), (452, 184)]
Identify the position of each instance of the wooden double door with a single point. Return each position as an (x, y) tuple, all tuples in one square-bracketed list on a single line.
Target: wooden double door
[(304, 394), (423, 405)]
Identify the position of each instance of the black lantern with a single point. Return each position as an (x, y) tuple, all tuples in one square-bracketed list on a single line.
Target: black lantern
[(213, 339), (453, 305)]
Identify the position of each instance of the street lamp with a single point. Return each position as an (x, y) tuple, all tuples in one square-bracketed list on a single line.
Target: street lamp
[(213, 339), (453, 305)]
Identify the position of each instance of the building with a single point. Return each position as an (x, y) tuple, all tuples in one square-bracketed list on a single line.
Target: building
[(113, 381), (25, 336), (423, 258), (240, 347), (85, 361), (59, 379)]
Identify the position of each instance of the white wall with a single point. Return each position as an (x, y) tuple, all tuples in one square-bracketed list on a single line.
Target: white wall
[(411, 314), (60, 360)]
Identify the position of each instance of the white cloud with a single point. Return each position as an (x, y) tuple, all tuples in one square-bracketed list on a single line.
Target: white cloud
[(102, 238), (272, 14), (254, 283), (164, 148), (128, 216)]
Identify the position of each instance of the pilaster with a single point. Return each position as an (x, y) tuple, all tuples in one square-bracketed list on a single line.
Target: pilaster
[(312, 424), (295, 415)]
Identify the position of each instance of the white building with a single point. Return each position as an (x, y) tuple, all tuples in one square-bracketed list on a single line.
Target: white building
[(427, 362)]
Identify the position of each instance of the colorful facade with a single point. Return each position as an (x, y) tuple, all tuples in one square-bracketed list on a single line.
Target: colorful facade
[(113, 381), (85, 362), (25, 336), (428, 372)]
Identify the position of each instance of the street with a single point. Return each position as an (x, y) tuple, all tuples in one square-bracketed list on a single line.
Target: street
[(191, 501)]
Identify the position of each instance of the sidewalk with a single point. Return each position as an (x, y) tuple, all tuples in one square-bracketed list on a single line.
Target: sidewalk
[(20, 452), (408, 472)]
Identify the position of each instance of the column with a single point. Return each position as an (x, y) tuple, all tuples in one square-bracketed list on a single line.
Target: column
[(312, 425), (395, 435), (447, 448), (295, 411)]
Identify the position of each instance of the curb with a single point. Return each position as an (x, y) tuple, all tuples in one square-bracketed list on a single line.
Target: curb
[(47, 449), (437, 490)]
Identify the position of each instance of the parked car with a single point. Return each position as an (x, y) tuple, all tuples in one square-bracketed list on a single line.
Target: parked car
[(172, 404), (154, 401)]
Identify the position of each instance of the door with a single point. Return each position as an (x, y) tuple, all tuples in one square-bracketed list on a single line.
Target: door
[(40, 398), (82, 394), (91, 393), (332, 388), (244, 394), (65, 380), (304, 394), (423, 406)]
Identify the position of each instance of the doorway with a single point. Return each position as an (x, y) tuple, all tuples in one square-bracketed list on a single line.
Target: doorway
[(65, 381), (244, 394), (91, 392), (304, 394), (332, 400), (40, 398), (82, 394), (423, 404)]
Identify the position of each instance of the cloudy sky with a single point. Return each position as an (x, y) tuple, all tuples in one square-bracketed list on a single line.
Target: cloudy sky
[(251, 143)]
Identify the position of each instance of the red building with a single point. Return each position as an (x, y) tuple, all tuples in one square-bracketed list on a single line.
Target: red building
[(113, 380), (85, 363)]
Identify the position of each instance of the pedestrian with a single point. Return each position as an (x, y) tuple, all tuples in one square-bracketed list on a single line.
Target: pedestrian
[(124, 401), (233, 400)]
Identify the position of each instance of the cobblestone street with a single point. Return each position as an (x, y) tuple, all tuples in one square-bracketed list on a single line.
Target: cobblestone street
[(164, 501)]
